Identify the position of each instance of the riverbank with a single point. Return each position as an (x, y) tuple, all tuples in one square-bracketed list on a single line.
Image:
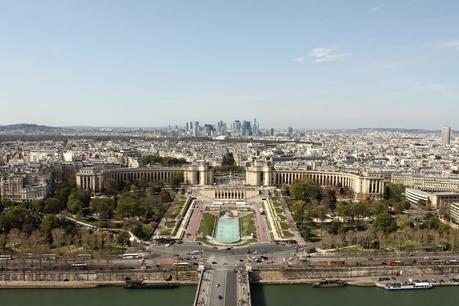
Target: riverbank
[(358, 282), (77, 284), (258, 277)]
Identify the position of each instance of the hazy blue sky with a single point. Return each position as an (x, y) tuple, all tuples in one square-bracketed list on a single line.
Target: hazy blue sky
[(309, 64)]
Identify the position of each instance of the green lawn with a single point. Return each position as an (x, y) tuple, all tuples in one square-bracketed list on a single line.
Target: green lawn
[(170, 224), (284, 225), (248, 226), (207, 224)]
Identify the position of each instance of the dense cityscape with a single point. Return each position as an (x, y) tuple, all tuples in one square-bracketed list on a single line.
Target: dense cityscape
[(183, 197), (229, 153)]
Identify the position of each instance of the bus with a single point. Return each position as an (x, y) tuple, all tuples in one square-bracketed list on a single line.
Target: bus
[(181, 264), (48, 256), (80, 266), (84, 256), (131, 256)]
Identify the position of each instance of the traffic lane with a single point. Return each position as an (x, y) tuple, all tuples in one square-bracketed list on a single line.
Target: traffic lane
[(217, 288), (230, 297)]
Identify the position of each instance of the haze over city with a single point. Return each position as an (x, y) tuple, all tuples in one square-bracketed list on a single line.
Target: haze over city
[(306, 64)]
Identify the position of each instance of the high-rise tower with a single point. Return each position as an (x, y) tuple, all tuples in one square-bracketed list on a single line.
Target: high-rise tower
[(446, 136)]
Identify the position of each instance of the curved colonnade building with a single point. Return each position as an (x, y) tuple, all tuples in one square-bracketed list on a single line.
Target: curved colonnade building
[(198, 173), (262, 173)]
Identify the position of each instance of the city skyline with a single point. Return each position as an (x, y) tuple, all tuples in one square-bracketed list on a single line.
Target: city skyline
[(309, 65)]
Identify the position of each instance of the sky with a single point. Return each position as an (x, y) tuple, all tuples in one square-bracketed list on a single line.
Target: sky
[(305, 64)]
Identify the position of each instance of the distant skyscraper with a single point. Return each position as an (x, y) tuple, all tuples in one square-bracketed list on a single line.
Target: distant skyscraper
[(271, 132), (196, 129), (255, 127), (290, 130), (446, 135), (208, 129), (236, 127), (246, 128), (221, 127)]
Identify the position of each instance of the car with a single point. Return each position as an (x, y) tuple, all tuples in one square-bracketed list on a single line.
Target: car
[(214, 263), (220, 297), (217, 285)]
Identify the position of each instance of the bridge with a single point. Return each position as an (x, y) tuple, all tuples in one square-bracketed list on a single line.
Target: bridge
[(223, 287)]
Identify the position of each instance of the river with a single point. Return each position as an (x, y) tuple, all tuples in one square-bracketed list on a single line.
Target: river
[(271, 295)]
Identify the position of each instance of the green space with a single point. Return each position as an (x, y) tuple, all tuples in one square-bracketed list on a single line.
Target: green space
[(42, 225), (207, 224), (248, 226), (164, 161), (173, 218), (284, 225), (370, 223)]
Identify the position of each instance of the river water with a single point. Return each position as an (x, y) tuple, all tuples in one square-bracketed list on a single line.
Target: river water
[(271, 295)]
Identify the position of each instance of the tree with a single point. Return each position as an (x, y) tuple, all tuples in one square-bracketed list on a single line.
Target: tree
[(360, 210), (344, 211), (335, 227), (129, 205), (53, 205), (385, 222), (153, 206), (329, 198), (401, 206), (177, 179), (306, 190), (74, 205), (142, 231), (122, 238), (104, 207), (78, 201), (228, 159), (47, 225), (393, 192)]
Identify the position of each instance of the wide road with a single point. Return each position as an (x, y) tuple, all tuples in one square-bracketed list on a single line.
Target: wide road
[(223, 288)]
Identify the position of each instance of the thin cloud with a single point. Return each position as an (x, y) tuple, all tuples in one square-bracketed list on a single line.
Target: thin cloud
[(324, 54), (298, 59), (452, 44), (375, 9)]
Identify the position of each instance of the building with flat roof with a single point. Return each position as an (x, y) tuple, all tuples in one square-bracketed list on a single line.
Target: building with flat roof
[(446, 136), (454, 212), (437, 200)]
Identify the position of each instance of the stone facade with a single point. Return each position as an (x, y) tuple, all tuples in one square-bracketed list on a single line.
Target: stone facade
[(198, 173), (16, 187), (427, 183), (262, 173)]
